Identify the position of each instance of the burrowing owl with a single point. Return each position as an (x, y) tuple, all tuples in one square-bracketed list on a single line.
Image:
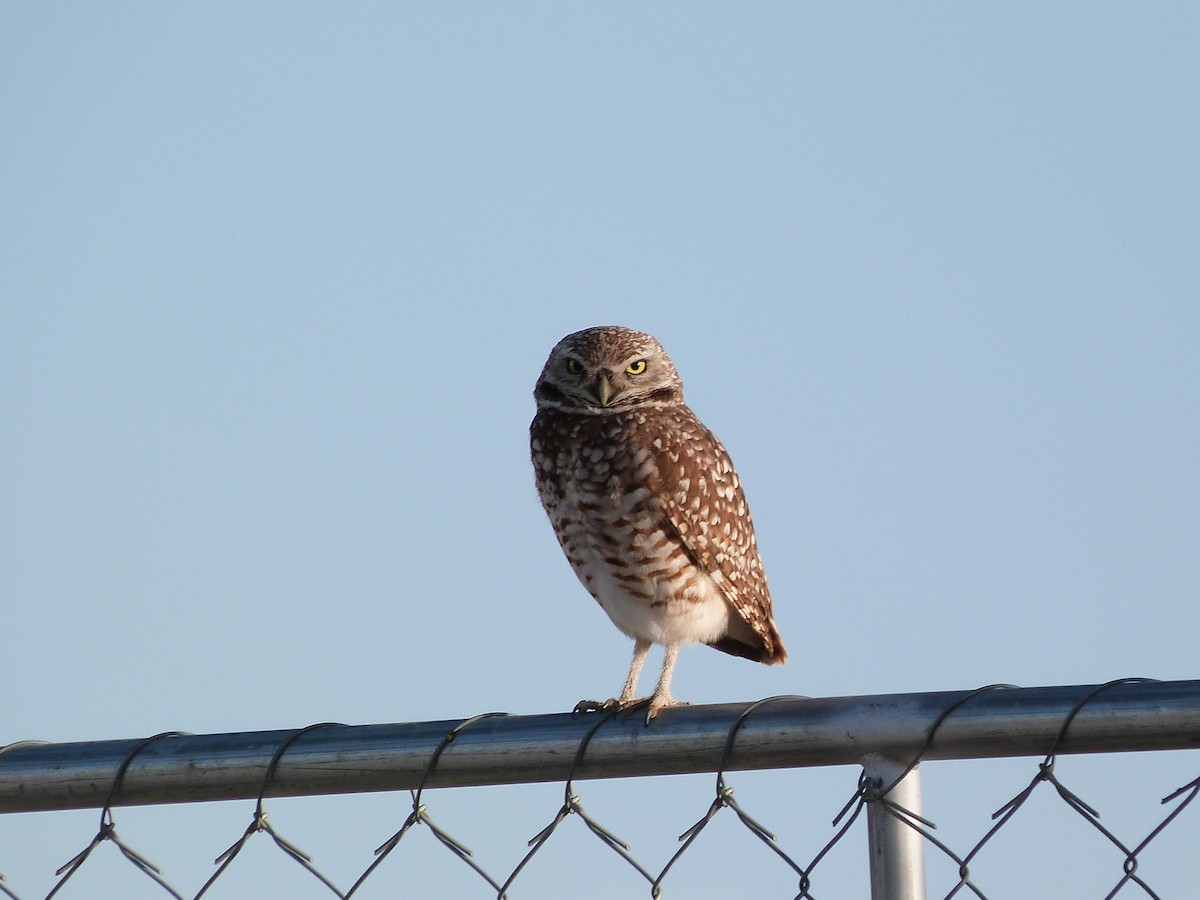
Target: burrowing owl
[(646, 504)]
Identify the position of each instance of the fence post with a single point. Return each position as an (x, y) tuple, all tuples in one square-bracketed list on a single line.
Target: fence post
[(897, 851)]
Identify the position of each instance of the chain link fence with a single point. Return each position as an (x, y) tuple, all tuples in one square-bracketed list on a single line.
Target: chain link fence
[(891, 737)]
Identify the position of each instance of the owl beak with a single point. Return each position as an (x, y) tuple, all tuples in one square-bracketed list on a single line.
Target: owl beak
[(603, 389)]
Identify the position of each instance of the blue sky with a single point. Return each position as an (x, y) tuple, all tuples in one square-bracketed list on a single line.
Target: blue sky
[(277, 280)]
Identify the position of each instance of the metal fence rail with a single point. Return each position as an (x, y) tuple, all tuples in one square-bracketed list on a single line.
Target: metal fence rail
[(888, 735)]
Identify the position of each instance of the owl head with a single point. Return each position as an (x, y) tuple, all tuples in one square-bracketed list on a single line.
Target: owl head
[(608, 368)]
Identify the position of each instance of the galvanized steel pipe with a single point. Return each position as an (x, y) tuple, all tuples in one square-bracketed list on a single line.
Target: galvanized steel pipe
[(784, 732)]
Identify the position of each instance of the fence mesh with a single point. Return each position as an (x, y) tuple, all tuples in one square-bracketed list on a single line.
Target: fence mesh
[(1126, 852)]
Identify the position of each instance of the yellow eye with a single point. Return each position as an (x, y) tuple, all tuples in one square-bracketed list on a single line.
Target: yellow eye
[(574, 366), (636, 368)]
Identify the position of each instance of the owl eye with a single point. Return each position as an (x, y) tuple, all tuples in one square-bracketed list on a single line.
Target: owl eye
[(574, 366), (636, 368)]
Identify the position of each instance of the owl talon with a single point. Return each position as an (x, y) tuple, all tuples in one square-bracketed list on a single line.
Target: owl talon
[(631, 706), (652, 705), (658, 704)]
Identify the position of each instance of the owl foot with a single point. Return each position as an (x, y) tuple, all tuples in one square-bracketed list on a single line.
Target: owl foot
[(653, 706), (658, 704), (592, 706)]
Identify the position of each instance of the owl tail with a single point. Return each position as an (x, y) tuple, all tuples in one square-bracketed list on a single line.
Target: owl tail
[(769, 649)]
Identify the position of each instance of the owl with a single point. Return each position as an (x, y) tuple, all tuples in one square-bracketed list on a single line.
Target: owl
[(646, 505)]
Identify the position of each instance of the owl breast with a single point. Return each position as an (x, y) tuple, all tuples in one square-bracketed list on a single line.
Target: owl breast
[(598, 478)]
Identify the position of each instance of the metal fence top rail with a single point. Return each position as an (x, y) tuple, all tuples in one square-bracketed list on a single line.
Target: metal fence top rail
[(782, 732)]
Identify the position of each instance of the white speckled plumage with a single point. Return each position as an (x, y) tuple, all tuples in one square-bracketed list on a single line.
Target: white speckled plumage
[(646, 504)]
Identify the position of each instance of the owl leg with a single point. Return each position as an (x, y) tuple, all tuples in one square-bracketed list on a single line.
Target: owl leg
[(661, 698), (640, 649), (625, 702)]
